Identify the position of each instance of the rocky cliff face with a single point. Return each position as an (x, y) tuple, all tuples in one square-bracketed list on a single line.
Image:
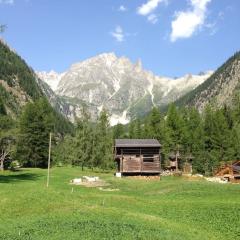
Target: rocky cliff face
[(125, 89), (219, 89)]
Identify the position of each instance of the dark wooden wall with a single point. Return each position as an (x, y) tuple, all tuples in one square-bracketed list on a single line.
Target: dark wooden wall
[(138, 160)]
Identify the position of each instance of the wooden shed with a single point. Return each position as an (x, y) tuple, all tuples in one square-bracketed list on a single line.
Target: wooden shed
[(230, 171), (137, 156)]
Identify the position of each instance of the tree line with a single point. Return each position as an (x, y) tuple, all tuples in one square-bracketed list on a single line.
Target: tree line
[(210, 137)]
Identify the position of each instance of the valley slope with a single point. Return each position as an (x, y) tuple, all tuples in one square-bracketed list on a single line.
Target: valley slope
[(219, 90), (19, 85)]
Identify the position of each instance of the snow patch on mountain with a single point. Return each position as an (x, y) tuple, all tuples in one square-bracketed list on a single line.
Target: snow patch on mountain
[(52, 78), (116, 119), (113, 83)]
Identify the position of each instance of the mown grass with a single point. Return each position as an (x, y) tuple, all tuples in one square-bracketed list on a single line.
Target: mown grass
[(173, 208)]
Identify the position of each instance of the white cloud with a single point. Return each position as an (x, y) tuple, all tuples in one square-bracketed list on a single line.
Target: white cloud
[(186, 23), (118, 34), (149, 7), (122, 8), (152, 18), (7, 2)]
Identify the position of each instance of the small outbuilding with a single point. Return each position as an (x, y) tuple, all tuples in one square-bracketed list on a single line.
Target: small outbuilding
[(229, 171), (137, 156)]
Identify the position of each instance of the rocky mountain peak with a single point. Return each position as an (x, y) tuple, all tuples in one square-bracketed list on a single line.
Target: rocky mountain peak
[(115, 83)]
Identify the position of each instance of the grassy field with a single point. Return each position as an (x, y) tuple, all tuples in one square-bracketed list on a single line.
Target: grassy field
[(173, 208)]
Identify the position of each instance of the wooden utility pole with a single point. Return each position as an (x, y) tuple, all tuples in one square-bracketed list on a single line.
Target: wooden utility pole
[(49, 157), (177, 155)]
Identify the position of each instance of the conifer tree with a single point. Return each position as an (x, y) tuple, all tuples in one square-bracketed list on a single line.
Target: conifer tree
[(175, 125), (118, 131), (195, 141), (103, 142), (36, 122), (83, 141), (154, 124), (64, 151), (138, 129), (131, 129)]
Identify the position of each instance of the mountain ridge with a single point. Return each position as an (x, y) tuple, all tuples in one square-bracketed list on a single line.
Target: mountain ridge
[(217, 90), (124, 88)]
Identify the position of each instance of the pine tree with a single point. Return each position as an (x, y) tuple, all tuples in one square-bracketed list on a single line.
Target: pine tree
[(176, 126), (36, 122), (64, 151), (138, 129), (195, 141), (131, 129), (83, 141), (154, 124), (118, 131), (103, 142)]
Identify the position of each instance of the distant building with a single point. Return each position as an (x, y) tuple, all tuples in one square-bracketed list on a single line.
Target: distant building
[(230, 171), (137, 156)]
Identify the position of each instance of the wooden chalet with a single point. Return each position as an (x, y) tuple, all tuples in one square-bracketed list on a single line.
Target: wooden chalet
[(230, 171), (137, 156)]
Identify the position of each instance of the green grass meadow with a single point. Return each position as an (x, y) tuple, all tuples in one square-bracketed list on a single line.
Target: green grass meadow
[(173, 208)]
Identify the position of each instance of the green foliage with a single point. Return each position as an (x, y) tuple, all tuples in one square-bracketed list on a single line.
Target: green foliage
[(63, 151), (35, 124), (135, 129), (90, 146), (2, 108), (103, 144), (83, 143), (176, 127), (207, 85), (210, 138), (119, 131), (14, 71)]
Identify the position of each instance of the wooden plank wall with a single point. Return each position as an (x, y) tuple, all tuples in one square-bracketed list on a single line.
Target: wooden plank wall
[(132, 160)]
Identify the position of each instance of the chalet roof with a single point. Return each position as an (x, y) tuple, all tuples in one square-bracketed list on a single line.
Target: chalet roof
[(137, 143)]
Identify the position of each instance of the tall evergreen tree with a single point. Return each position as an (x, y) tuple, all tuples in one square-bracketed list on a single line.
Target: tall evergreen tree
[(103, 142), (138, 129), (155, 124), (83, 141), (175, 125), (118, 131), (195, 141), (36, 122)]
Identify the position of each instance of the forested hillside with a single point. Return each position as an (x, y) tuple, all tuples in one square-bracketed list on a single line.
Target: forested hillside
[(17, 81), (26, 116), (219, 89), (19, 85)]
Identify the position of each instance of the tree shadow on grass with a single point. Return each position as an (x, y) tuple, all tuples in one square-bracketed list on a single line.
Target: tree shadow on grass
[(19, 177)]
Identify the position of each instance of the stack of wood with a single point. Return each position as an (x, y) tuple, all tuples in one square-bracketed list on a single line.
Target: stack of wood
[(229, 171)]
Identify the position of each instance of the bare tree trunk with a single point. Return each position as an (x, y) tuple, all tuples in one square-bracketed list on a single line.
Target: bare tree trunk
[(1, 165), (3, 156)]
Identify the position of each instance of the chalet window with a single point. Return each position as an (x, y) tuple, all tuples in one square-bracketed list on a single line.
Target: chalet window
[(148, 158)]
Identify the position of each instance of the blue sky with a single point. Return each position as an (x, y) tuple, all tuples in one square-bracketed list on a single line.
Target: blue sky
[(171, 37)]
